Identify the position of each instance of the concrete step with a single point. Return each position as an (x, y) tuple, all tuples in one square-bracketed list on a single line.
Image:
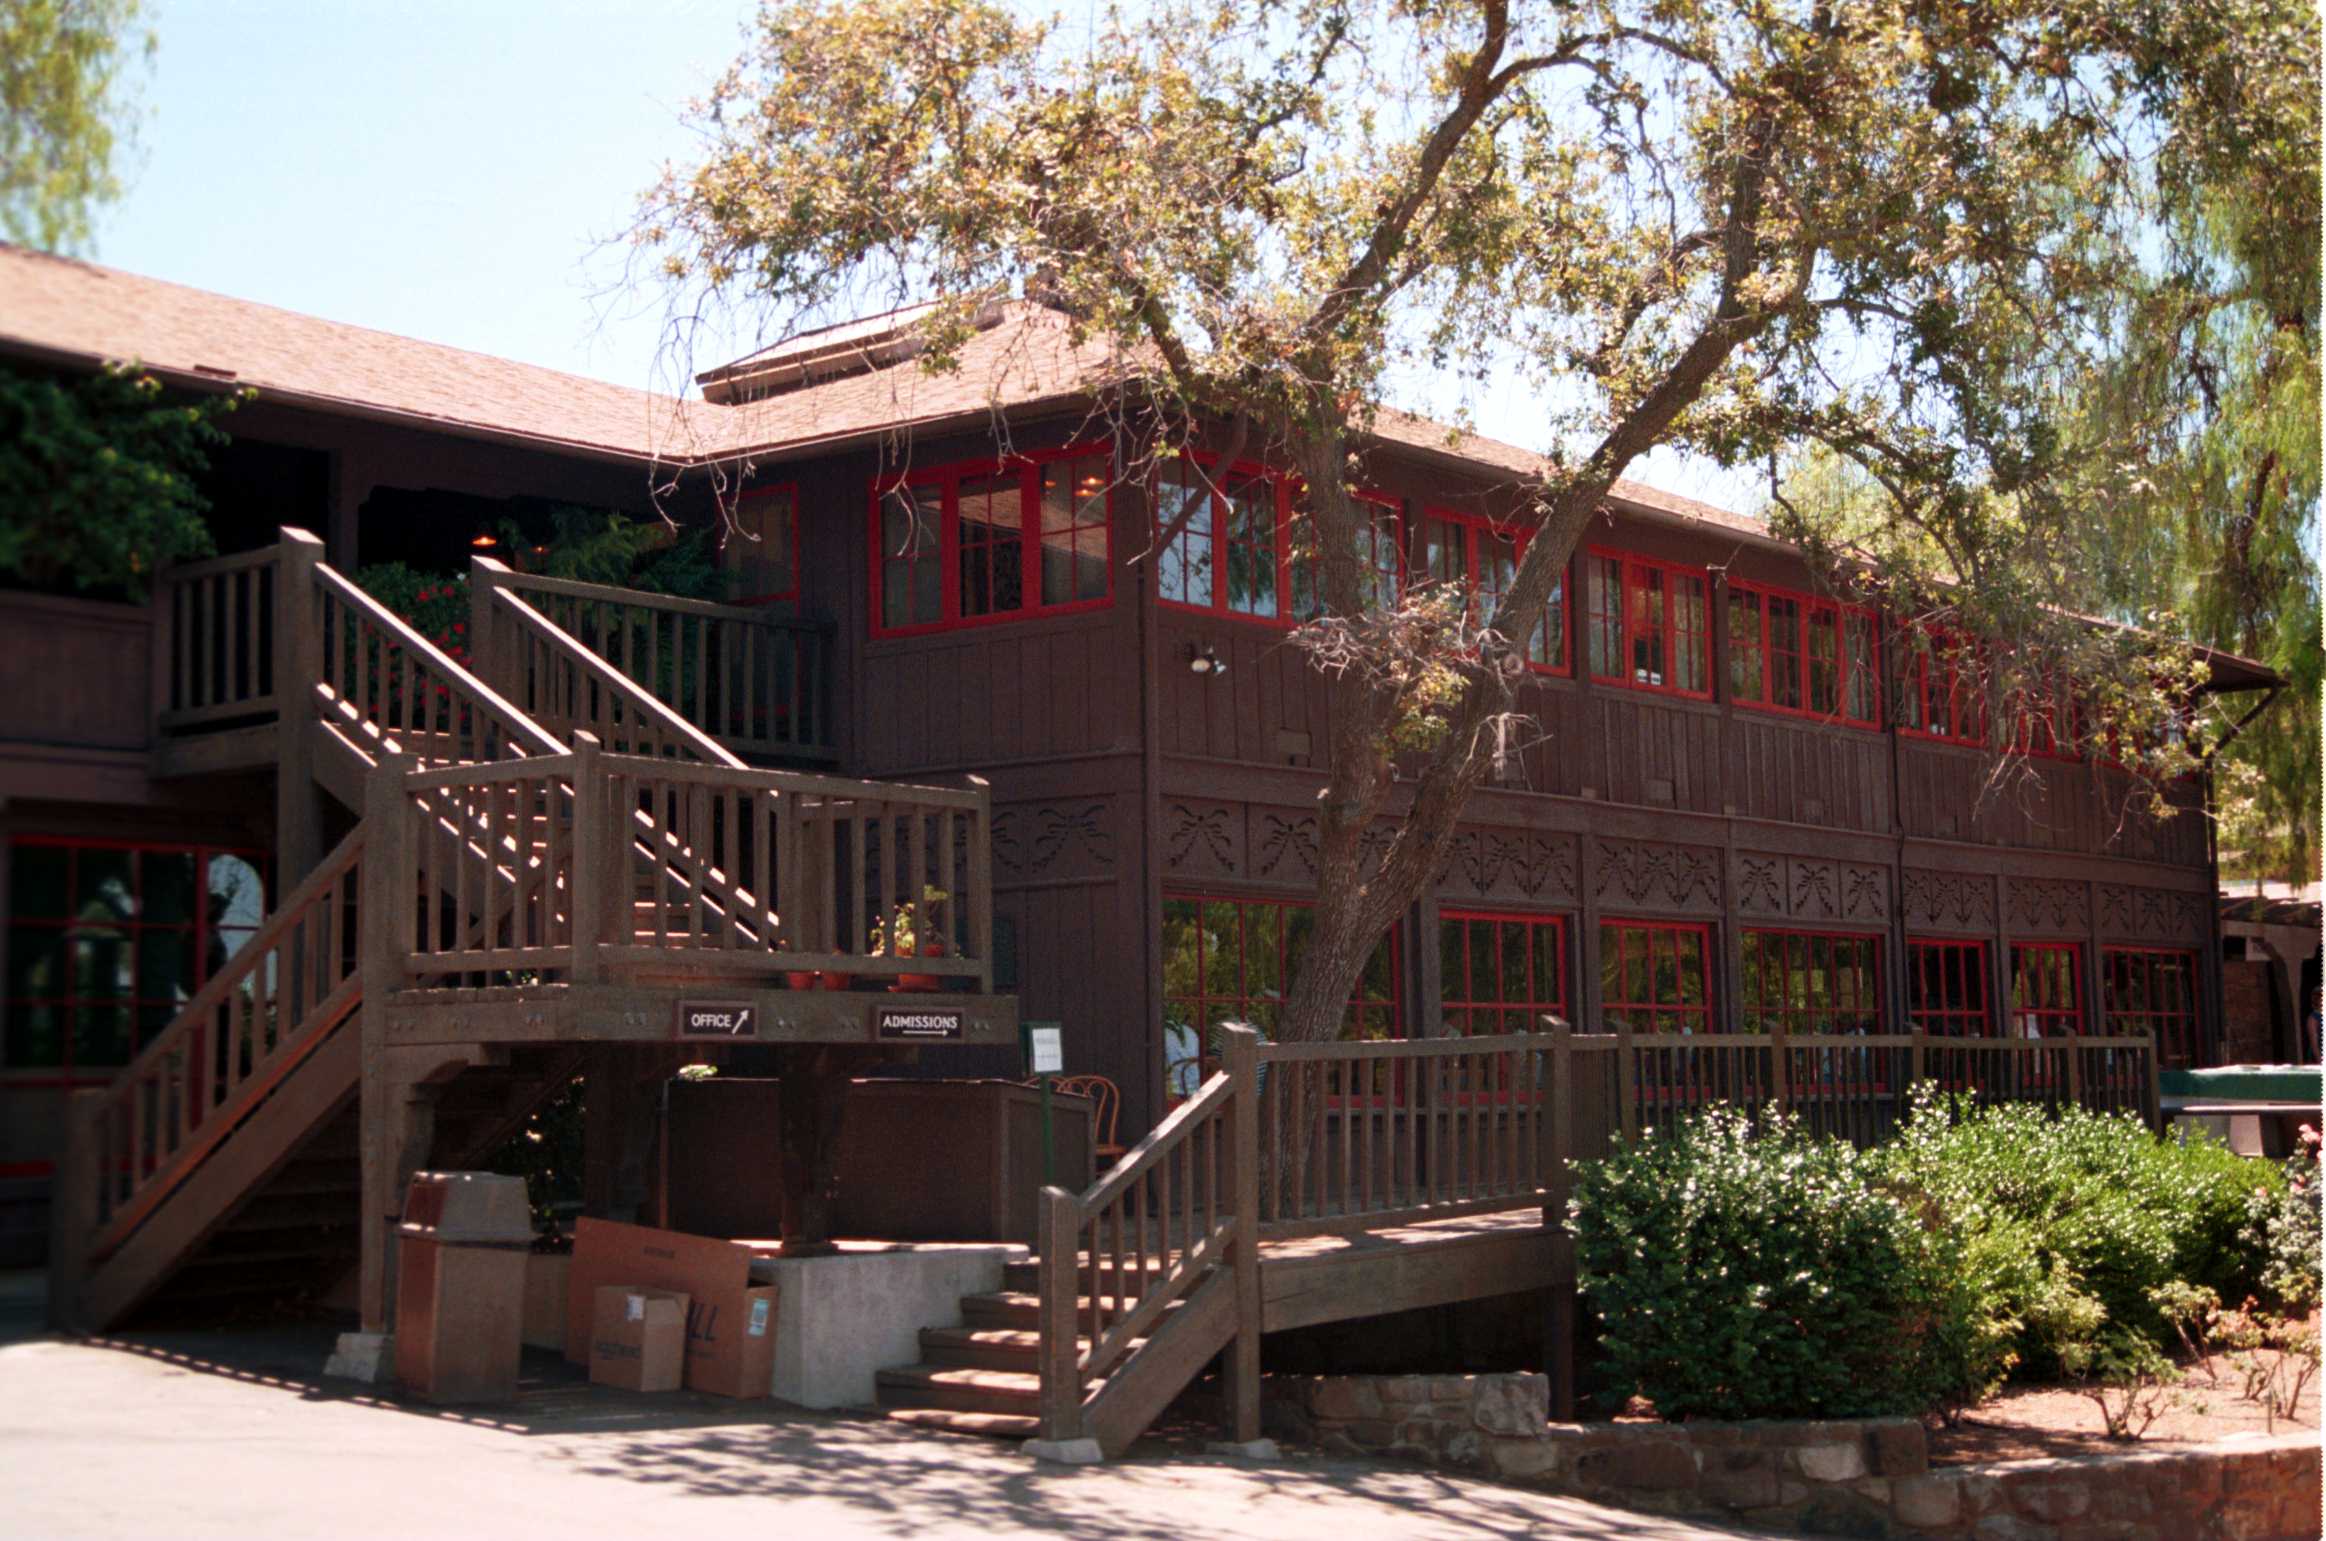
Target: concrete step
[(982, 1425), (960, 1388)]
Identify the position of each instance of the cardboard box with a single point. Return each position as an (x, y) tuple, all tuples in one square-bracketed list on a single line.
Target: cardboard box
[(638, 1338), (723, 1354), (545, 1276)]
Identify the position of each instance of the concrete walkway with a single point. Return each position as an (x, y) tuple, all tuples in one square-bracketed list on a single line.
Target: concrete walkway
[(192, 1435)]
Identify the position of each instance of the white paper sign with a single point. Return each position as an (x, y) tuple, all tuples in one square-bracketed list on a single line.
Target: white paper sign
[(634, 1308), (1046, 1049)]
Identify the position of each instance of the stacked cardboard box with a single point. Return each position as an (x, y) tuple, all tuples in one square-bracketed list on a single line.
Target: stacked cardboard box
[(729, 1323)]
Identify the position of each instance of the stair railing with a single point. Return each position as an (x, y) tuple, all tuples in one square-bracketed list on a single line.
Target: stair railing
[(215, 628), (248, 1027), (756, 682)]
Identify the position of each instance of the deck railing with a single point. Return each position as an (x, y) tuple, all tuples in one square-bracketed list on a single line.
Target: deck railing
[(758, 683), (216, 624), (1297, 1140)]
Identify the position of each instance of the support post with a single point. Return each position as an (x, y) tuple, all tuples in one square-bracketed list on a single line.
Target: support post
[(1242, 1060), (297, 667), (595, 859), (1780, 1064), (1061, 1347), (1559, 1312), (1920, 1071), (2075, 1055), (1627, 1102), (488, 649), (2155, 1108), (384, 918), (73, 1206)]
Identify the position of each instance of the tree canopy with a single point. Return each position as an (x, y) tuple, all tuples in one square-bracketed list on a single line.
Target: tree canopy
[(1910, 237), (65, 113)]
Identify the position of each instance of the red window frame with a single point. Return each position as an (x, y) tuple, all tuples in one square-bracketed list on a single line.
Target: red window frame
[(2154, 990), (1857, 681), (2043, 721), (1935, 669), (1626, 627), (1221, 540), (789, 492), (1647, 942), (947, 480), (1948, 992), (143, 1013), (1476, 533), (1538, 938), (1380, 1006), (1382, 550), (2047, 990), (1778, 984)]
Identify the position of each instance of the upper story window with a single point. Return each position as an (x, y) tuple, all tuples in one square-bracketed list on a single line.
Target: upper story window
[(2042, 718), (1940, 696), (1791, 652), (1380, 542), (763, 550), (108, 941), (990, 541), (1483, 559), (1647, 624), (1245, 548)]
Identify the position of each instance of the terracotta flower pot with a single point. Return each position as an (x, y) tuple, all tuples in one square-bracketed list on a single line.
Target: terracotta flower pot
[(920, 984)]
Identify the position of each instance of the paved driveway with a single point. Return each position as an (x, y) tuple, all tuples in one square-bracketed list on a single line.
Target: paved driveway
[(228, 1434)]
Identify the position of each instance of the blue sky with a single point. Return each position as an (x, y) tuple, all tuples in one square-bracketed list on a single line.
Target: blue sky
[(452, 171)]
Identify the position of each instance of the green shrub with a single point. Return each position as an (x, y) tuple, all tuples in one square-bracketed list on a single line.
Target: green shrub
[(1743, 1275), (2282, 1223), (2122, 1212)]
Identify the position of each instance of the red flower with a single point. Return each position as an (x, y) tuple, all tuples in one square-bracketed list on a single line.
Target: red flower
[(459, 629)]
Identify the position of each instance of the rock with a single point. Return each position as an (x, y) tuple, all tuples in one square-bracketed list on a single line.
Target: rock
[(1741, 1479), (1521, 1460), (1511, 1404), (1900, 1447), (369, 1357), (1462, 1448), (1840, 1512), (1835, 1462), (1404, 1388), (1248, 1449), (1651, 1465), (2050, 1501), (1344, 1398), (1454, 1388), (1928, 1502)]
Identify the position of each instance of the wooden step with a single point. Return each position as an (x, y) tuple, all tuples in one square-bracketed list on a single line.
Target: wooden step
[(1026, 1276), (961, 1388), (981, 1425), (1022, 1309), (340, 1209), (985, 1348)]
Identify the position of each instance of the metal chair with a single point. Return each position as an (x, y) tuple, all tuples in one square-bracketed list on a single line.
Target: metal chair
[(1106, 1106)]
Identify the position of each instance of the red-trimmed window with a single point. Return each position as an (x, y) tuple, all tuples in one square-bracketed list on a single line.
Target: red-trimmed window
[(988, 541), (1232, 960), (1231, 557), (2042, 720), (1946, 988), (1380, 550), (2152, 990), (1647, 623), (2047, 990), (107, 940), (1500, 973), (1811, 982), (764, 547), (1941, 696), (1791, 652), (1482, 559), (1655, 976)]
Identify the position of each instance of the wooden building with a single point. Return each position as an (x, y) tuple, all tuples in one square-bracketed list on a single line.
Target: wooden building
[(1740, 808)]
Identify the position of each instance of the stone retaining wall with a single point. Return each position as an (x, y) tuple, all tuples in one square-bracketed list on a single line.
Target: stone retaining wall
[(1866, 1477)]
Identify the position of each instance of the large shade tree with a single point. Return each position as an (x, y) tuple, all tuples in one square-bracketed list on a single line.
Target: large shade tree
[(1900, 233)]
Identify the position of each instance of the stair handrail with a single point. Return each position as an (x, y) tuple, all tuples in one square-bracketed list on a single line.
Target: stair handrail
[(522, 735), (1202, 1144), (321, 979), (676, 729)]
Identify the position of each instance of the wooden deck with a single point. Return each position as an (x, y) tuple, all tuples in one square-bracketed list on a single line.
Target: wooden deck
[(1307, 1280)]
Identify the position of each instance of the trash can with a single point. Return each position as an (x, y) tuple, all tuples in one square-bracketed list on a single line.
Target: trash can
[(460, 1286)]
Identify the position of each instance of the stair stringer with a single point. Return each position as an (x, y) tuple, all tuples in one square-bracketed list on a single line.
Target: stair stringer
[(1144, 1382)]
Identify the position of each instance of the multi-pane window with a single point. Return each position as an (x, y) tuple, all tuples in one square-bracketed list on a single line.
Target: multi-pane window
[(2041, 718), (1231, 554), (1501, 973), (1482, 559), (1946, 988), (1380, 543), (2047, 995), (1941, 693), (1655, 977), (1810, 982), (987, 541), (106, 942), (2152, 990), (1794, 653), (1647, 623), (1232, 960), (764, 547)]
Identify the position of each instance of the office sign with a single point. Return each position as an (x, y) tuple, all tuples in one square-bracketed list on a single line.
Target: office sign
[(719, 1021)]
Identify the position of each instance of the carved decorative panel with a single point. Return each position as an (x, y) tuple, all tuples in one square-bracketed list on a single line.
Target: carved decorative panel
[(1202, 840), (1949, 901), (2151, 914), (1648, 874), (1760, 884), (1284, 846), (1036, 841), (1810, 889), (1512, 866), (1865, 892), (2047, 905)]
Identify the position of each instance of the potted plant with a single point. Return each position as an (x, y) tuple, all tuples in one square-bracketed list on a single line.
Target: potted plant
[(909, 932), (813, 979)]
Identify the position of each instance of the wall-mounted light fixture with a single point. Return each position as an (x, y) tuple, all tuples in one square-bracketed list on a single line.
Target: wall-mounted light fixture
[(484, 542), (1204, 659)]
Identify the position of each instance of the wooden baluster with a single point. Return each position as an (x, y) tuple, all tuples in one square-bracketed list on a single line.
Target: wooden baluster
[(917, 885)]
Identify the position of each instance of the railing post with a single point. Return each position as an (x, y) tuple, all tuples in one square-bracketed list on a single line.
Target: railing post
[(1780, 1064), (1626, 1084), (595, 845), (298, 668), (73, 1206), (1059, 1239), (487, 648), (388, 905), (1559, 1315), (2075, 1071), (981, 884), (1242, 1061), (1921, 1064), (2155, 1108)]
